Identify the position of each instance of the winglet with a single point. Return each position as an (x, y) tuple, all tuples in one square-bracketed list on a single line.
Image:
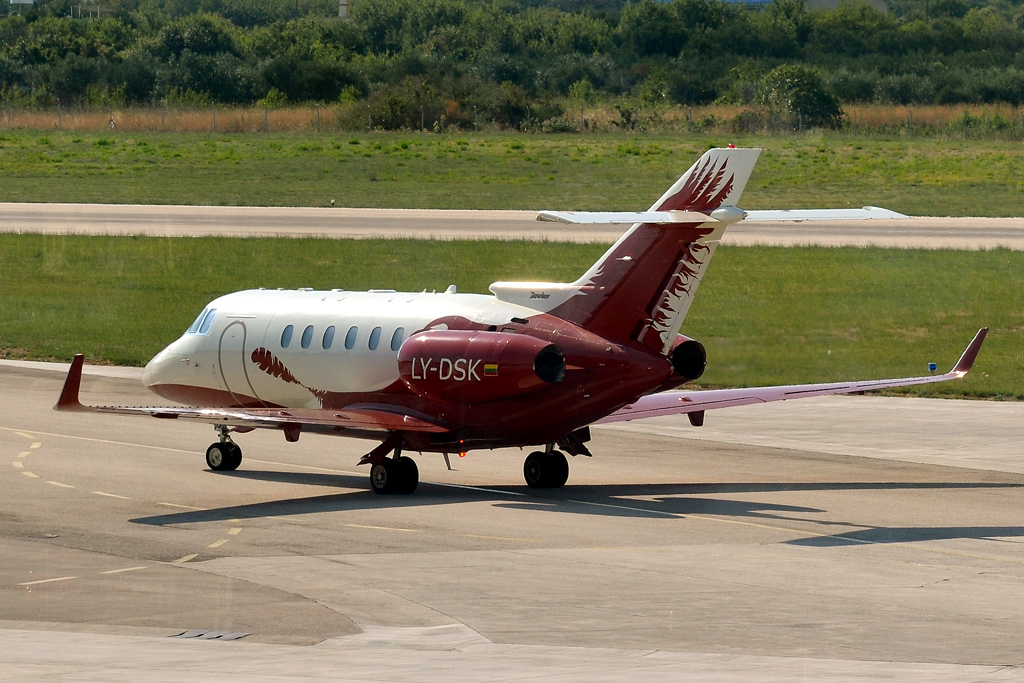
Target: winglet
[(69, 396), (963, 366)]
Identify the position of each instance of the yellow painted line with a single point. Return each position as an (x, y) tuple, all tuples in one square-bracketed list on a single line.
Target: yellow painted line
[(501, 538), (126, 569), (62, 578), (19, 464), (186, 558), (25, 454), (233, 531), (383, 528), (31, 474), (63, 486), (37, 444), (30, 437), (183, 507), (235, 521), (217, 544), (110, 495)]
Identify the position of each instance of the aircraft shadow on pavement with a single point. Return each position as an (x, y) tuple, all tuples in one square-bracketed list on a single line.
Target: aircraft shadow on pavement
[(882, 535), (655, 501)]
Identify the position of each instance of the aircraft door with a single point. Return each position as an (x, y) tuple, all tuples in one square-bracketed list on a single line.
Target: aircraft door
[(231, 358)]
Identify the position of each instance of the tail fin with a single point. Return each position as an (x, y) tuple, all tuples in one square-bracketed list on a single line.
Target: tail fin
[(644, 284)]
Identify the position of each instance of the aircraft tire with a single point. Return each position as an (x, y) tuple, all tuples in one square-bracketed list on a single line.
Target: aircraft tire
[(408, 475), (536, 470), (223, 457), (383, 476), (559, 472)]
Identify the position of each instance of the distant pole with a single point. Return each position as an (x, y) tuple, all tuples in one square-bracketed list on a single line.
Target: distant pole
[(421, 117), (215, 118), (369, 118), (318, 118), (266, 119), (581, 118), (163, 114), (343, 9), (59, 119), (910, 120)]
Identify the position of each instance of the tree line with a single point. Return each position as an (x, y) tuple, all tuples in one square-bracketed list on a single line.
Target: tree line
[(510, 61)]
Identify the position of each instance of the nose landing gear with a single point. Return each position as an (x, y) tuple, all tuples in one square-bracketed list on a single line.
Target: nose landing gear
[(225, 455), (546, 469)]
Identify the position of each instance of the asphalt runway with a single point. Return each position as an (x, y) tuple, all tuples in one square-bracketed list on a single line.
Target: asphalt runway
[(197, 221), (822, 540)]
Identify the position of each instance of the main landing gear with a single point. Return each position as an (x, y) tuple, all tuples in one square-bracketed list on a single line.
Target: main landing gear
[(546, 469), (395, 475), (225, 455)]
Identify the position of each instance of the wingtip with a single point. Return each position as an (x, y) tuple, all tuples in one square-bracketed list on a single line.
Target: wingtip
[(966, 362), (69, 395)]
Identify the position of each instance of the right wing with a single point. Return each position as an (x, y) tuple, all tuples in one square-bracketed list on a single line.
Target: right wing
[(682, 402)]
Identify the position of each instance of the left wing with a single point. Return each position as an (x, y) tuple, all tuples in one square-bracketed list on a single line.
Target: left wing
[(371, 417), (681, 402)]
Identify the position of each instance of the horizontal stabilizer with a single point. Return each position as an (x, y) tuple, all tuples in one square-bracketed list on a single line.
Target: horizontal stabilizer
[(623, 217), (865, 214)]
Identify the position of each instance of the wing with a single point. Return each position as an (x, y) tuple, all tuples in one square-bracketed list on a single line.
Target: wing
[(867, 213), (680, 402), (372, 417)]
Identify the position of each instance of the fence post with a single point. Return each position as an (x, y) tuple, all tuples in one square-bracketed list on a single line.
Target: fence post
[(266, 118), (60, 121), (318, 118), (163, 114), (910, 120), (215, 118), (421, 118)]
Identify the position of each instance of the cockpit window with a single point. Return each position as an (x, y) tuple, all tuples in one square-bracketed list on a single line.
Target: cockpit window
[(286, 336), (199, 321), (207, 321)]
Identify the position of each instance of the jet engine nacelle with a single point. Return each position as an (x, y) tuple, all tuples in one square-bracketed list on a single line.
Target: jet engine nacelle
[(688, 360), (460, 366)]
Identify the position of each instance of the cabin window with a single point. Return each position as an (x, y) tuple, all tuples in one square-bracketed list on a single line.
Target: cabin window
[(207, 321), (350, 338), (286, 336), (307, 336), (374, 338), (397, 338), (199, 321), (328, 337)]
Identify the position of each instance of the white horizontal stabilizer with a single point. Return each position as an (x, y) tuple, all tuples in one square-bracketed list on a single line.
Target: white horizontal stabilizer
[(623, 217), (864, 214)]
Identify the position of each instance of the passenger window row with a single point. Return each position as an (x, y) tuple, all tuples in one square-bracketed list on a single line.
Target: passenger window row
[(350, 337)]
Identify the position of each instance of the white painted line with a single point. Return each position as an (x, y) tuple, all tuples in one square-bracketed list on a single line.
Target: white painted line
[(33, 583), (126, 569), (183, 507), (37, 444), (383, 528), (115, 443), (233, 531), (32, 474), (475, 488), (186, 558), (19, 464), (217, 544), (110, 495), (501, 538), (63, 486), (30, 437), (25, 454)]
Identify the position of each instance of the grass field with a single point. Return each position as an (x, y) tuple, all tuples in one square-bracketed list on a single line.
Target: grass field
[(924, 176), (767, 315)]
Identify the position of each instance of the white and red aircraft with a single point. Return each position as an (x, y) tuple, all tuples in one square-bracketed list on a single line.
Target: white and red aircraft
[(533, 365)]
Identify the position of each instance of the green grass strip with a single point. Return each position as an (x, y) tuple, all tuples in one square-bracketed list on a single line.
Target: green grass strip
[(767, 315)]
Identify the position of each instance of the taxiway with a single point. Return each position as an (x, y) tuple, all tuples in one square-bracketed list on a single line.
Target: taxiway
[(199, 221), (854, 537)]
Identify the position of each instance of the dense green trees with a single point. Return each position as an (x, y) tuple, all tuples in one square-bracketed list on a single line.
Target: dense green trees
[(512, 61)]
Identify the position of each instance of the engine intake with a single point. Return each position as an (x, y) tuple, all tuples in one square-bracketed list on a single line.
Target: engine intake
[(460, 366)]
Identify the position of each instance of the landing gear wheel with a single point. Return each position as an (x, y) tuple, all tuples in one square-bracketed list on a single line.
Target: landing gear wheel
[(535, 470), (408, 475), (223, 456), (384, 476), (559, 473)]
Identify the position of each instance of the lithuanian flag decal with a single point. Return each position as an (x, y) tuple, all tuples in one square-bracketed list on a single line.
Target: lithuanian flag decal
[(490, 370)]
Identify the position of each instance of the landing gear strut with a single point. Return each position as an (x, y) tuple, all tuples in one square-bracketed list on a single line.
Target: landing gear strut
[(225, 455), (397, 474), (546, 469)]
